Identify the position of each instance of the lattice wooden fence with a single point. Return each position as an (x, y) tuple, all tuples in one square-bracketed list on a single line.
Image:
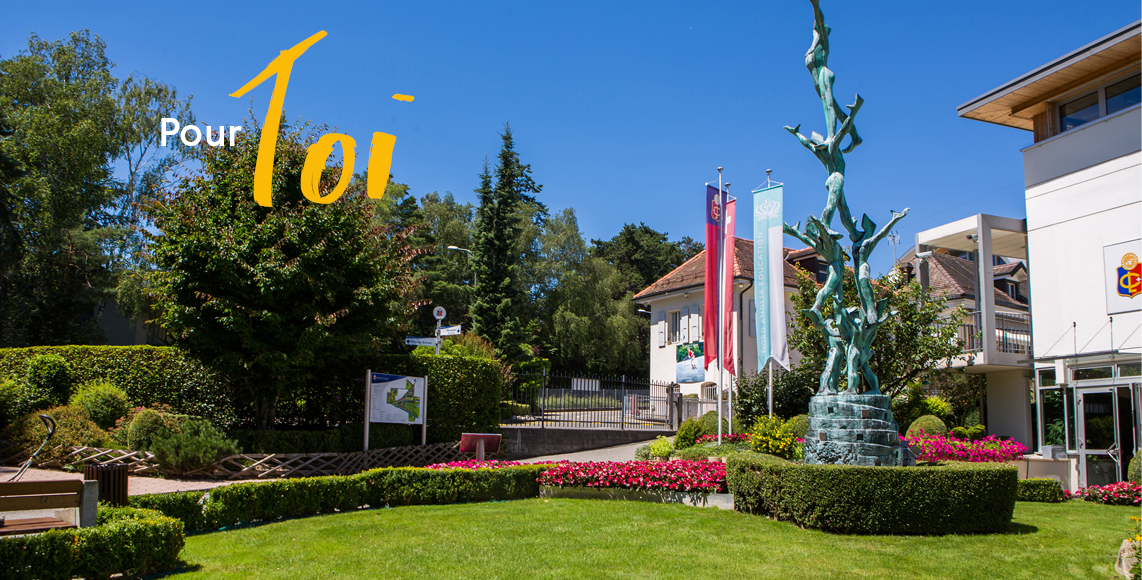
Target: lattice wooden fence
[(268, 465)]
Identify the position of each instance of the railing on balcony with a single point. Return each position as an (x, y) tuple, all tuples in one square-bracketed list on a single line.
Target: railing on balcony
[(1012, 332)]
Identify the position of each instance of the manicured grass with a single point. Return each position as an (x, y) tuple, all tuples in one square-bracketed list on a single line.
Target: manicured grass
[(613, 539)]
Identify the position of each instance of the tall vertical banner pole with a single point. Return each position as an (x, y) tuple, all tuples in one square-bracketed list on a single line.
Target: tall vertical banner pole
[(721, 280), (368, 403), (769, 280), (424, 408)]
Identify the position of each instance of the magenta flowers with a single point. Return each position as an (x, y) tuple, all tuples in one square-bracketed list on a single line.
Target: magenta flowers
[(1123, 493), (474, 464), (726, 438), (683, 476), (938, 447)]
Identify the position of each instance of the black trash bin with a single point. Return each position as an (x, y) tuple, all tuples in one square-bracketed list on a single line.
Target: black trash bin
[(112, 482)]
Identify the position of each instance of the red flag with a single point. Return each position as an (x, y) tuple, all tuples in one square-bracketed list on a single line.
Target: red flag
[(715, 201), (728, 302)]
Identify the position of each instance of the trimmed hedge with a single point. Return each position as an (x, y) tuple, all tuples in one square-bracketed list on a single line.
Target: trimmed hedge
[(148, 374), (952, 498), (126, 541), (1040, 489), (392, 486)]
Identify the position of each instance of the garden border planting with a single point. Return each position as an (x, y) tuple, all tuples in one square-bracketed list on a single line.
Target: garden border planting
[(724, 501), (1040, 489), (952, 498)]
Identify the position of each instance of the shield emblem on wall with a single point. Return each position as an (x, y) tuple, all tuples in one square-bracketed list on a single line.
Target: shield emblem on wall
[(1129, 276)]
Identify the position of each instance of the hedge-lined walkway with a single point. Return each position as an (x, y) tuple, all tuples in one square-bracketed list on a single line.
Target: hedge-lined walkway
[(135, 485)]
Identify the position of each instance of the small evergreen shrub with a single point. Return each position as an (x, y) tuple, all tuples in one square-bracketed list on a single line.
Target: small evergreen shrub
[(952, 498), (49, 376), (104, 402), (661, 447), (710, 423), (197, 444), (688, 431), (9, 402), (974, 433), (1040, 489), (1134, 468), (929, 424), (642, 453), (72, 428), (147, 426)]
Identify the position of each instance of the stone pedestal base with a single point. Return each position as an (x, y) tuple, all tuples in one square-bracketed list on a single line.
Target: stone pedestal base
[(852, 430)]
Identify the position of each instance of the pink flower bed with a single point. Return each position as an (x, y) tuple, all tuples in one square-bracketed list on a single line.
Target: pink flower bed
[(474, 464), (940, 448), (700, 476), (726, 438), (1124, 493)]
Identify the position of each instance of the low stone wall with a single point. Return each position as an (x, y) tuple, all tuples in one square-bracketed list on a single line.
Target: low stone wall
[(523, 442)]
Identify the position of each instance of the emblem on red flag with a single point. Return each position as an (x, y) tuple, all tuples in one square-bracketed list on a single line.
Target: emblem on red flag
[(715, 211), (1130, 276)]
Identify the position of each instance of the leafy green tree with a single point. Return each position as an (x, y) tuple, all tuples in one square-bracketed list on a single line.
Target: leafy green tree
[(644, 255), (910, 344), (57, 139), (269, 296), (501, 292), (448, 276)]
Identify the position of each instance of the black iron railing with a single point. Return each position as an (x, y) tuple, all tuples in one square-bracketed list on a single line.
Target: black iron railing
[(589, 402)]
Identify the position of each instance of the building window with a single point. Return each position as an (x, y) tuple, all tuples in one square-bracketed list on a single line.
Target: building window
[(822, 271), (1053, 418), (1108, 100), (1130, 370), (674, 330), (1093, 373), (1046, 377)]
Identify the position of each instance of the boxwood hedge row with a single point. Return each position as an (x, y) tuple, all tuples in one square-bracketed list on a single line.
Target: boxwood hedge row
[(1040, 489), (290, 498), (126, 541), (952, 498)]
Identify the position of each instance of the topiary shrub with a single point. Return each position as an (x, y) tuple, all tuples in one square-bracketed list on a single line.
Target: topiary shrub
[(9, 402), (197, 444), (709, 423), (952, 498), (688, 431), (50, 374), (73, 428), (104, 402), (1134, 468), (1040, 489), (929, 424), (973, 433), (147, 426)]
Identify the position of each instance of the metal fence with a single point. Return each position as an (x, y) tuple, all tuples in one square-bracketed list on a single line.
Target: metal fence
[(1012, 332), (589, 402)]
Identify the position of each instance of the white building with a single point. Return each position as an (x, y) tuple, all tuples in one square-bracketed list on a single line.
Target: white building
[(1083, 182)]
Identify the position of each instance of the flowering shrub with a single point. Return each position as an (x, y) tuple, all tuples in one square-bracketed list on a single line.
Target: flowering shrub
[(942, 448), (701, 476), (726, 438), (773, 436), (474, 464), (1124, 493)]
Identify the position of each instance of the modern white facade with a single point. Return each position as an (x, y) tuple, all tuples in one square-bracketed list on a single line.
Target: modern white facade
[(1083, 184)]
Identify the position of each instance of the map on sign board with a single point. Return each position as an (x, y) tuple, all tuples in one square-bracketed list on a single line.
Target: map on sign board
[(396, 399)]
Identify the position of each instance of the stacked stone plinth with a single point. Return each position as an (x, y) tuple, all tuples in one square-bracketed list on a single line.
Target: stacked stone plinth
[(852, 430)]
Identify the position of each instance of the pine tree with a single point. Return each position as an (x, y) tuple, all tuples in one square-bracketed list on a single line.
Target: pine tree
[(500, 292)]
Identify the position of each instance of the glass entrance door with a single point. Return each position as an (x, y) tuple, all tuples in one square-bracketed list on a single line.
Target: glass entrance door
[(1099, 450)]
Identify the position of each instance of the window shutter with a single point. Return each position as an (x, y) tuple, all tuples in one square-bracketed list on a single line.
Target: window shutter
[(661, 329), (695, 323), (685, 324), (752, 319)]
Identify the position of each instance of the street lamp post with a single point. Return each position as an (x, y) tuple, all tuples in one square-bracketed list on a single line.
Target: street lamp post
[(458, 249)]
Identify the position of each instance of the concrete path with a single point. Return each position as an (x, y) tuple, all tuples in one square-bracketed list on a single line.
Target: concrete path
[(135, 485), (616, 453)]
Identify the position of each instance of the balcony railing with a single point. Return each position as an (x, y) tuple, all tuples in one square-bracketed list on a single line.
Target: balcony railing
[(1012, 332)]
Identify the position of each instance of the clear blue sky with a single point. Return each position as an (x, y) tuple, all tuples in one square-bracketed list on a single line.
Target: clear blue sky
[(624, 110)]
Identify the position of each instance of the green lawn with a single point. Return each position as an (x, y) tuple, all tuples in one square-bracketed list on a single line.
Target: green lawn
[(613, 539)]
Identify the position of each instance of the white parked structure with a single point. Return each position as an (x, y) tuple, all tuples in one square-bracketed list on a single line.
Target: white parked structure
[(1083, 180)]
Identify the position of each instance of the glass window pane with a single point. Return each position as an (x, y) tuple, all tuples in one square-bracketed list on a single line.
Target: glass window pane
[(1079, 111), (1100, 470), (1098, 420), (1069, 397), (1123, 94), (1054, 431), (1094, 373), (1130, 370), (1047, 378)]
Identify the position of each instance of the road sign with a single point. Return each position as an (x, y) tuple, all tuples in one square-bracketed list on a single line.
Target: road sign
[(449, 330), (420, 341), (439, 312)]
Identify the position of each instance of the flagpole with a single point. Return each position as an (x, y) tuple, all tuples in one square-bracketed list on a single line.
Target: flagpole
[(721, 297), (729, 325)]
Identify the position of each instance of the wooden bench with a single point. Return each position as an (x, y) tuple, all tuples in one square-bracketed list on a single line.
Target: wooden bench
[(47, 495)]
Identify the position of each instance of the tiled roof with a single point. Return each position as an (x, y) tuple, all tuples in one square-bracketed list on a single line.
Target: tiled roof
[(955, 278), (692, 273)]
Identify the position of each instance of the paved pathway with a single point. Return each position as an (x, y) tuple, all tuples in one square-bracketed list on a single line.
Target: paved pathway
[(135, 485), (617, 453)]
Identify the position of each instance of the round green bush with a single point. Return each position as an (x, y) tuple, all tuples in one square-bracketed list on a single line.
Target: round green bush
[(798, 425), (147, 426), (951, 498), (688, 432), (929, 424), (1040, 489), (73, 428), (105, 403), (710, 423), (9, 402), (197, 445), (1134, 468), (50, 376)]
